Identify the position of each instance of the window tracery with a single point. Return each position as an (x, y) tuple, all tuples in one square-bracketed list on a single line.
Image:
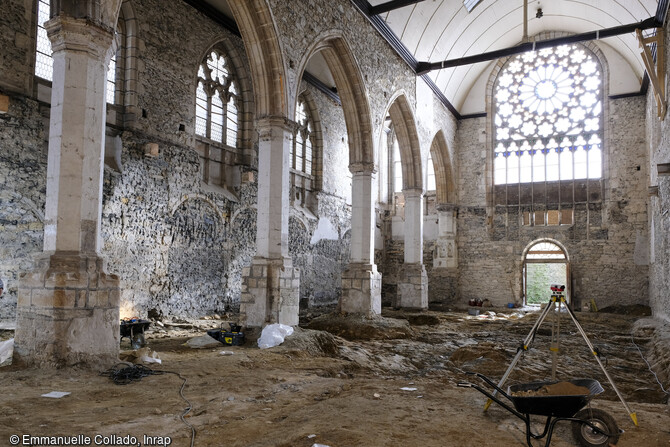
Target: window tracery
[(548, 117), (216, 101)]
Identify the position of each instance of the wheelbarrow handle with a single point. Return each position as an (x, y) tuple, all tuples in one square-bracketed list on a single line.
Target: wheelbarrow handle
[(490, 382)]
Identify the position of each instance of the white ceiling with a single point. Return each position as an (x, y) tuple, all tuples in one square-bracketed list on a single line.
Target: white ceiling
[(437, 30)]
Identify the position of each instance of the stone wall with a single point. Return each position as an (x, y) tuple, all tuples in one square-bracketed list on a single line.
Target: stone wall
[(658, 147), (606, 245), (23, 158)]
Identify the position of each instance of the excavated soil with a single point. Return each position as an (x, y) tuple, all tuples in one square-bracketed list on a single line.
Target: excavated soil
[(392, 381)]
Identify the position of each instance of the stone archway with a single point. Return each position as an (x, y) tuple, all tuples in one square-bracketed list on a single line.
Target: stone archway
[(545, 262)]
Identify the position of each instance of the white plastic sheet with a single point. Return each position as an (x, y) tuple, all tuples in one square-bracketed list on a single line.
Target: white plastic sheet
[(273, 335), (6, 350)]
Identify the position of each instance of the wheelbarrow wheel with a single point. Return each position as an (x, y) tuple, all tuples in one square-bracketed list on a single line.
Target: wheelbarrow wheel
[(137, 341), (587, 436)]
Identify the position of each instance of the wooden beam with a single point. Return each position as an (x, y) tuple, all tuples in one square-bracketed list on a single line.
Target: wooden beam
[(425, 67), (390, 6), (655, 68)]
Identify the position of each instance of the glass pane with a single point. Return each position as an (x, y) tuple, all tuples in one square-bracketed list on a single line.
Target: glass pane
[(111, 80), (299, 147), (526, 173), (397, 167), (200, 111), (231, 123), (595, 162), (430, 183), (500, 169), (580, 163), (566, 165), (216, 131), (552, 166), (308, 156), (513, 168), (538, 167)]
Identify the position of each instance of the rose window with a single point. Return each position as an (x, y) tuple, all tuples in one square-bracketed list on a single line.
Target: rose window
[(548, 117)]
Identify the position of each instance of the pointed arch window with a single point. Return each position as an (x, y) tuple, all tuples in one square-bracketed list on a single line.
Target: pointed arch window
[(302, 152), (548, 117), (216, 116)]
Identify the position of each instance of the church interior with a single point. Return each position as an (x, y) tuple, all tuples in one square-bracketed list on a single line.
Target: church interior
[(416, 190)]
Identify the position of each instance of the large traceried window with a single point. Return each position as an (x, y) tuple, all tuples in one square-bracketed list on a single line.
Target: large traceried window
[(548, 117), (216, 115), (302, 153)]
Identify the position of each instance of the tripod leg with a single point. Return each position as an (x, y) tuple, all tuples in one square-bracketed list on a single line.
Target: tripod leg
[(632, 415), (521, 350)]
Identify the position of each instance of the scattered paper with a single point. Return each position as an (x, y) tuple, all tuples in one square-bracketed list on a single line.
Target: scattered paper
[(56, 394), (311, 436), (226, 353), (407, 388)]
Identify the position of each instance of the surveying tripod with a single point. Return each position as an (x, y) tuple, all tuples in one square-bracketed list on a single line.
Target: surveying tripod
[(557, 296)]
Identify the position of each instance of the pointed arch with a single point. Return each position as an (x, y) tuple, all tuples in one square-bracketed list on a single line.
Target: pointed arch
[(261, 41), (444, 171), (404, 126), (351, 88)]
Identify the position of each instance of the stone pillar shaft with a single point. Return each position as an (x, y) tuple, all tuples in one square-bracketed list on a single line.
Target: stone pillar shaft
[(273, 187), (271, 285), (361, 282), (81, 53), (413, 226), (413, 281), (362, 217)]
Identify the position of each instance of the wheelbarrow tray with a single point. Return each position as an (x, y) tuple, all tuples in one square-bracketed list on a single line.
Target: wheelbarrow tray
[(563, 406), (137, 327)]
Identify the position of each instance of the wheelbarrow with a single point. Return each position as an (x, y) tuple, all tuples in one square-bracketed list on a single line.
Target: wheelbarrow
[(134, 329), (591, 427)]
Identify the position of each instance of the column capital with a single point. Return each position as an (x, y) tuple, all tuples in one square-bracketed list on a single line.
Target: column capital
[(446, 207), (363, 168), (81, 35), (266, 123), (412, 192)]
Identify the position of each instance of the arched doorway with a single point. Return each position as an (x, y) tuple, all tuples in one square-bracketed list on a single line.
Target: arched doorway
[(545, 263)]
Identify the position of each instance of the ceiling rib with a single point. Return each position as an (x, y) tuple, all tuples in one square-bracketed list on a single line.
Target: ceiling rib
[(390, 6), (425, 67)]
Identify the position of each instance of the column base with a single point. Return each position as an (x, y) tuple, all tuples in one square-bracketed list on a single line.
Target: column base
[(412, 287), (270, 293), (361, 290), (67, 313)]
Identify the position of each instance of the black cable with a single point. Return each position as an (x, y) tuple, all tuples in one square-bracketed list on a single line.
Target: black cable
[(130, 373)]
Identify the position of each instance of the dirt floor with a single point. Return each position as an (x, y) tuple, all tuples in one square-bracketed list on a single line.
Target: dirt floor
[(382, 382)]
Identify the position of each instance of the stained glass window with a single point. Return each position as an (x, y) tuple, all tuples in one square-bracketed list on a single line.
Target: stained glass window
[(216, 99), (548, 117)]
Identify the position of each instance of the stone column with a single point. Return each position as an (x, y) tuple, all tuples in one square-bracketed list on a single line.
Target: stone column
[(361, 282), (413, 281), (446, 250), (68, 307), (271, 285)]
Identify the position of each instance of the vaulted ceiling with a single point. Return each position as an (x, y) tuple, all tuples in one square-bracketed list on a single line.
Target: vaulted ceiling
[(439, 30)]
